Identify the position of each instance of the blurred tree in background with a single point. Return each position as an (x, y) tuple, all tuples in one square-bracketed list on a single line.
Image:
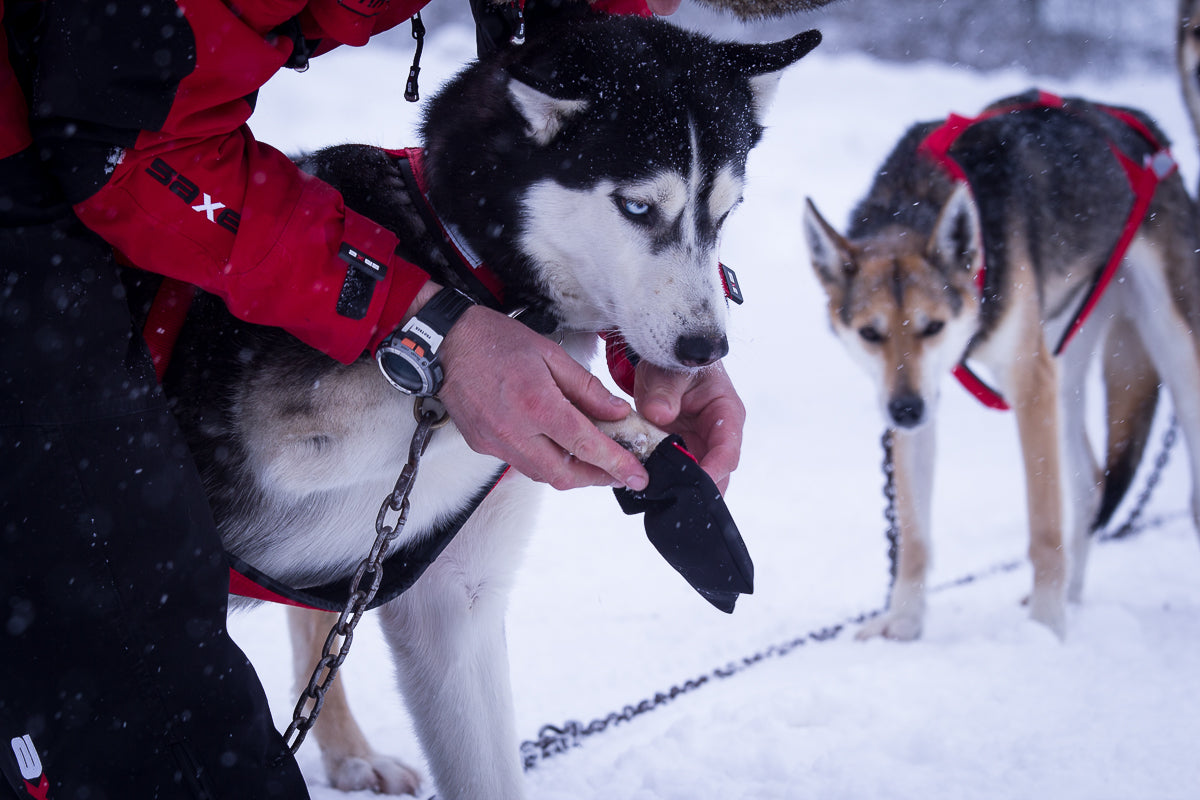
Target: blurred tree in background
[(1055, 37), (1050, 37)]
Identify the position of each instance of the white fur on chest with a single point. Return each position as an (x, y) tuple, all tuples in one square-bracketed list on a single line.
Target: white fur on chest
[(324, 475), (325, 470)]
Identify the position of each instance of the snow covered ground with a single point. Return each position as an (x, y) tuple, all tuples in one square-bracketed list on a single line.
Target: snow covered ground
[(987, 705)]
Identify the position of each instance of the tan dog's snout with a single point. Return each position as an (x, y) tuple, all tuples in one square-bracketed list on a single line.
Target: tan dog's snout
[(906, 409)]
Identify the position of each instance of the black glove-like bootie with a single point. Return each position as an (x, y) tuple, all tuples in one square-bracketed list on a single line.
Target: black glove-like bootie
[(688, 523)]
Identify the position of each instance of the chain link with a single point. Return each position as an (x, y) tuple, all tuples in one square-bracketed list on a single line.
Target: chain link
[(1133, 523), (553, 740), (892, 532), (341, 635)]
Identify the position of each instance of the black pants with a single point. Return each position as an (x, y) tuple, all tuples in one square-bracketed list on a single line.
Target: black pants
[(117, 674)]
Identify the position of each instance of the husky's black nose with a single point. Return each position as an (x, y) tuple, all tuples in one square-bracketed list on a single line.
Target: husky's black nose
[(698, 351), (907, 410)]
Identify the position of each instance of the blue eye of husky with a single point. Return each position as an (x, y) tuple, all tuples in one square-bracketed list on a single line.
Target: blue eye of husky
[(634, 209)]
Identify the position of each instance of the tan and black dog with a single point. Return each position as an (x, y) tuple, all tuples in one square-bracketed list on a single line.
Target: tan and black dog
[(1024, 241)]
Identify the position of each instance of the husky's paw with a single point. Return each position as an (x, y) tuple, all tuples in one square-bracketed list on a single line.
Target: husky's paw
[(899, 627), (379, 773), (635, 434)]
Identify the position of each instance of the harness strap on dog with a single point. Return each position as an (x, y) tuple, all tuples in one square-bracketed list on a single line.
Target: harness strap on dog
[(400, 570), (474, 276), (1143, 182), (481, 283)]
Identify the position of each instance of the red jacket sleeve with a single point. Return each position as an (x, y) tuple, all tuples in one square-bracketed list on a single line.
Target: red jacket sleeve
[(152, 145)]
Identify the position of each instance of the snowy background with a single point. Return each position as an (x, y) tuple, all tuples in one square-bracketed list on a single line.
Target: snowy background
[(987, 704)]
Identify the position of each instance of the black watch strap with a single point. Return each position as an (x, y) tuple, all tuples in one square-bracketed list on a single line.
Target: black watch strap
[(443, 310)]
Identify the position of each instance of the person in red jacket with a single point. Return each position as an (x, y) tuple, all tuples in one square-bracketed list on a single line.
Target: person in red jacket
[(123, 128)]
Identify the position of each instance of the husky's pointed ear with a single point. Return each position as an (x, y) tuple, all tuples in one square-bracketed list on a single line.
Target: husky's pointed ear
[(828, 250), (957, 239), (544, 115), (763, 64)]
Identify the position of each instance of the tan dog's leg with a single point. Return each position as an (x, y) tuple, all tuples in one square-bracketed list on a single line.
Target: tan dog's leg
[(350, 762), (1037, 408), (912, 460)]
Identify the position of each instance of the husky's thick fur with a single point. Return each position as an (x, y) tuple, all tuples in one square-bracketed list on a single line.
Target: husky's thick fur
[(1046, 200), (591, 169)]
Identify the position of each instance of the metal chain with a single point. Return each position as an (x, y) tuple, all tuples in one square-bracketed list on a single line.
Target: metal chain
[(1132, 525), (341, 635), (553, 740), (892, 532)]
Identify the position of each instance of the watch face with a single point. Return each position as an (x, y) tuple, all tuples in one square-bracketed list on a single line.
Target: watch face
[(409, 365), (408, 358), (401, 372)]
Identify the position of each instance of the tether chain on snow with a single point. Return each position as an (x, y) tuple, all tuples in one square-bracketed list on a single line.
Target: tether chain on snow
[(553, 740), (556, 739)]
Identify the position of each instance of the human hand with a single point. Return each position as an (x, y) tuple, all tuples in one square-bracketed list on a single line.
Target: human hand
[(701, 406), (518, 397)]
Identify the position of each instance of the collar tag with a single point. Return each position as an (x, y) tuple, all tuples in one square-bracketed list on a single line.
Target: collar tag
[(733, 289)]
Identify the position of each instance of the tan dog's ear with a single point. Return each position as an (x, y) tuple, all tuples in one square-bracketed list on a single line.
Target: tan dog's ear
[(829, 251), (956, 244)]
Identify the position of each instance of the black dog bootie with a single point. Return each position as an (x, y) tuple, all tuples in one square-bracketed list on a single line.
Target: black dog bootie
[(690, 526)]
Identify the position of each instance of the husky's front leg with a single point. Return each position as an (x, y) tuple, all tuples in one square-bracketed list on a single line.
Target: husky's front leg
[(912, 462), (447, 636), (350, 762)]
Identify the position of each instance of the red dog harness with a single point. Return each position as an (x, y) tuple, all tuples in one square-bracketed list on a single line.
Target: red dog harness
[(1143, 181)]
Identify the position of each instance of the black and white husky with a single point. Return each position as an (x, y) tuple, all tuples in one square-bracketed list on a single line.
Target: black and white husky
[(591, 170)]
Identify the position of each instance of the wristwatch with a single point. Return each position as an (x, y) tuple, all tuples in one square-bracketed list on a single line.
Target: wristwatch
[(408, 357)]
